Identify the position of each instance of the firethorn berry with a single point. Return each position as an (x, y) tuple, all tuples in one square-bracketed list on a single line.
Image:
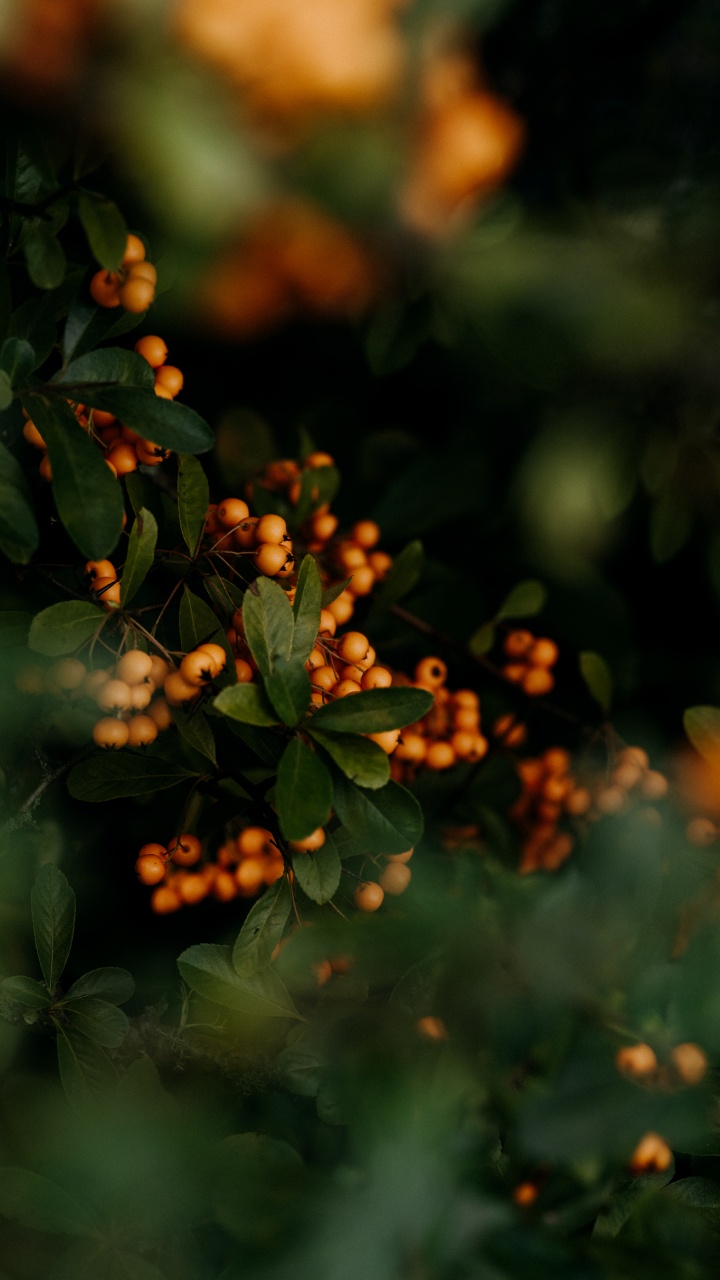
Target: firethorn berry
[(152, 349), (323, 527), (395, 878), (216, 653), (171, 378), (323, 678), (362, 581), (134, 250), (140, 695), (315, 660), (185, 850), (366, 533), (690, 1062), (376, 678), (69, 674), (525, 1194), (192, 889), (243, 671), (651, 1155), (250, 875), (137, 294), (245, 534), (197, 668), (224, 886), (636, 1060), (142, 731), (232, 512), (537, 681), (142, 271), (353, 647), (150, 869), (92, 682), (654, 785), (400, 857), (328, 624), (314, 841), (32, 435), (380, 563), (105, 288), (431, 672), (510, 732), (159, 711), (165, 899), (110, 734), (350, 556), (514, 672), (158, 670), (387, 740), (578, 802), (99, 569), (412, 747), (256, 840), (431, 1028), (469, 746), (135, 667), (177, 690), (701, 832), (114, 695), (344, 688), (123, 458), (368, 896), (319, 459), (440, 755), (272, 529), (45, 469), (270, 559), (543, 653), (107, 591), (517, 644)]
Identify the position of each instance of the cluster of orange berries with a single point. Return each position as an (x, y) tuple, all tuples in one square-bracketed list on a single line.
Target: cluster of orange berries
[(394, 879), (531, 659), (448, 733), (197, 670), (132, 287), (341, 667), (241, 868), (688, 1065), (230, 528)]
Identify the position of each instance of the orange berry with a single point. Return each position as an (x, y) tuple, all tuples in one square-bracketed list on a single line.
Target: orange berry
[(431, 672), (140, 695), (380, 563), (690, 1062), (216, 653), (353, 647), (366, 533), (319, 459), (224, 886), (368, 896), (32, 435), (92, 682), (432, 1028), (412, 747), (465, 719), (110, 734), (243, 671), (395, 878), (134, 667), (345, 688), (524, 1194), (150, 869), (250, 875), (197, 668), (105, 289), (69, 674), (165, 899), (142, 271), (469, 746), (45, 469), (270, 558), (328, 624), (651, 1155), (388, 740), (440, 755), (185, 850), (114, 695), (342, 609), (514, 672), (578, 802), (169, 377), (362, 581), (323, 678), (636, 1060), (232, 512), (192, 889), (315, 660), (323, 527), (400, 857), (610, 800), (537, 681), (376, 678), (123, 458), (136, 295), (511, 732), (152, 349), (314, 841), (134, 250), (177, 690), (153, 847), (701, 832), (245, 536), (543, 653), (518, 643), (271, 529), (107, 591), (256, 840), (655, 785), (633, 755), (159, 670)]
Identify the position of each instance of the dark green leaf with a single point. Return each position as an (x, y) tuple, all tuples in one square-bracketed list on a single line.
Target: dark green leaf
[(19, 535), (44, 257), (332, 593), (288, 688), (62, 628), (86, 1071), (318, 874), (111, 777), (625, 1199), (362, 761), (41, 1205), (6, 392), (88, 325), (246, 703), (269, 624), (25, 991), (198, 623), (374, 710), (14, 628), (402, 577), (208, 969), (140, 554), (303, 792), (104, 227), (193, 499), (306, 608), (194, 728), (596, 674), (31, 321), (100, 1021), (318, 485), (52, 903), (109, 365), (525, 600), (113, 984), (17, 359), (262, 930), (224, 595), (167, 423), (265, 744), (483, 639), (301, 1070), (88, 497), (386, 821)]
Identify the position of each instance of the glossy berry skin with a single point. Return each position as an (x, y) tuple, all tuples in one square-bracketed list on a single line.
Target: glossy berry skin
[(314, 841), (232, 512), (185, 850), (271, 529), (134, 250), (105, 289), (256, 840), (177, 690), (136, 295), (270, 558), (150, 869), (216, 654), (368, 896), (159, 711), (376, 678), (431, 672), (353, 647), (366, 533), (152, 349), (197, 668), (171, 378)]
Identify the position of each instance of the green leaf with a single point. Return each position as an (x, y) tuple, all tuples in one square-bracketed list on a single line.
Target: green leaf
[(44, 257), (104, 227), (25, 991), (262, 930), (525, 600), (113, 984), (362, 761), (194, 728), (198, 623), (31, 321), (482, 640), (269, 624), (263, 742), (288, 688), (596, 674), (88, 325), (318, 874), (62, 628), (389, 820), (246, 703), (86, 1071), (224, 595), (306, 608), (318, 485), (303, 792), (208, 969), (374, 710), (403, 576), (41, 1205), (702, 726), (17, 360), (6, 393), (140, 554), (88, 497), (625, 1199), (19, 535), (332, 593), (112, 777), (109, 365), (52, 903), (193, 499), (100, 1021), (165, 422)]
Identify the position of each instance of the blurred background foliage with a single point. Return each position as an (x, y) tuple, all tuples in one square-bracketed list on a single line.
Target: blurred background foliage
[(471, 247)]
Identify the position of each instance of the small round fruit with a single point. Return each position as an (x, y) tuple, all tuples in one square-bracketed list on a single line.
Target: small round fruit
[(387, 740), (543, 653), (368, 896), (150, 869), (690, 1062), (185, 850), (152, 349), (134, 250), (400, 857), (243, 671), (110, 734), (270, 558), (165, 899), (216, 653), (69, 674), (232, 512), (114, 695), (537, 681), (136, 295), (250, 875), (376, 678), (431, 672), (636, 1060), (105, 289), (177, 690), (107, 591), (142, 730), (345, 688), (256, 840), (314, 841), (366, 533), (197, 668), (328, 623), (353, 646), (160, 712), (440, 755), (271, 529), (171, 378), (135, 667), (395, 878)]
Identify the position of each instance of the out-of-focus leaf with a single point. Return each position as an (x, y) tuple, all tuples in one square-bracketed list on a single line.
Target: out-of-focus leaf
[(52, 903), (702, 726), (525, 600), (19, 535), (403, 576), (104, 227), (596, 674), (42, 1205), (208, 969), (116, 985)]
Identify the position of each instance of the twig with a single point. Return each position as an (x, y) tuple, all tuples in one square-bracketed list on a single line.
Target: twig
[(21, 818)]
